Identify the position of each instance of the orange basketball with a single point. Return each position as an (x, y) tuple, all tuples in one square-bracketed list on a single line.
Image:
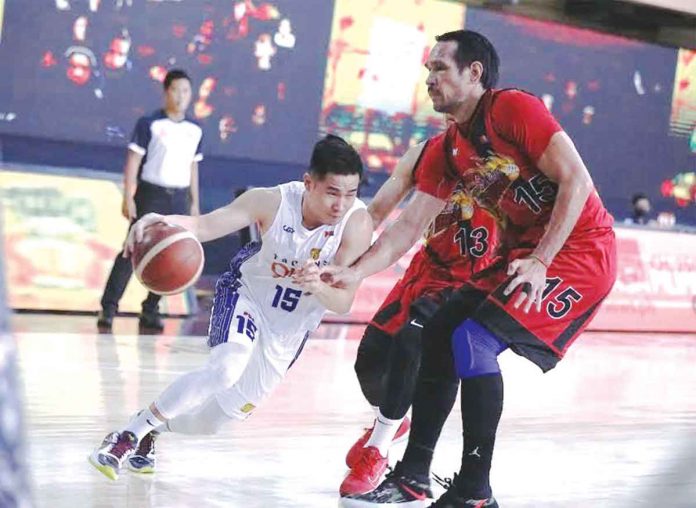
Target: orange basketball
[(168, 259)]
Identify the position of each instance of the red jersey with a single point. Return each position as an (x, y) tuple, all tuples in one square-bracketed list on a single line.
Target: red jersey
[(461, 239), (503, 177)]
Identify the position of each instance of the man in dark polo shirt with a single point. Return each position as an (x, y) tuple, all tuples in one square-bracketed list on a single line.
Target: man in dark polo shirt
[(161, 175)]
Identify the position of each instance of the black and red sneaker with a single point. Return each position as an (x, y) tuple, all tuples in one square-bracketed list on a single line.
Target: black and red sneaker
[(454, 499), (398, 490)]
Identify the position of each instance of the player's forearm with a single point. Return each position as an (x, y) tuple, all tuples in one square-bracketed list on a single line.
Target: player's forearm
[(570, 200), (387, 250), (386, 200), (338, 300)]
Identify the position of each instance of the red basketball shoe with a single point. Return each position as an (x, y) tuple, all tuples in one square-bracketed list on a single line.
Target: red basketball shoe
[(365, 475), (357, 448)]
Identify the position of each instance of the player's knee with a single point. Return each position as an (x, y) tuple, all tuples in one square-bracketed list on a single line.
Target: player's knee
[(372, 353), (408, 342), (475, 350), (228, 361)]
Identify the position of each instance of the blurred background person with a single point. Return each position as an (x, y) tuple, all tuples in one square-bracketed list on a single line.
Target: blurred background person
[(641, 209), (160, 175)]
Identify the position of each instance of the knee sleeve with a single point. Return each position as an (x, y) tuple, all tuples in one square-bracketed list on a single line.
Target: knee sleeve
[(207, 420), (227, 362), (402, 373), (475, 350), (371, 363)]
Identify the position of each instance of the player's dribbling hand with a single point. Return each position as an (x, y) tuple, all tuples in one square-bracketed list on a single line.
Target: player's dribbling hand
[(531, 275), (308, 277), (135, 234), (339, 276)]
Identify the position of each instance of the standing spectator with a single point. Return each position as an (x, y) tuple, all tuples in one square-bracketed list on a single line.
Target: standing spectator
[(641, 209), (161, 175)]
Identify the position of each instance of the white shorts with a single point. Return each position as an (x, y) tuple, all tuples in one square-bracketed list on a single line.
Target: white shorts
[(236, 318)]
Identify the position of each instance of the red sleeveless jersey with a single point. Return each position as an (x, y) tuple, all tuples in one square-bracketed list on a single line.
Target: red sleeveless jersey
[(505, 180)]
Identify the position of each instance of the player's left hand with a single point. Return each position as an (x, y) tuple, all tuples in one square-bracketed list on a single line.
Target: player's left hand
[(308, 277), (339, 276), (531, 274)]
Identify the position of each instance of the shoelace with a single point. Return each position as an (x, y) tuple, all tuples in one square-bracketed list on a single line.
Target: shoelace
[(443, 482), (364, 465), (121, 447), (147, 445), (448, 484)]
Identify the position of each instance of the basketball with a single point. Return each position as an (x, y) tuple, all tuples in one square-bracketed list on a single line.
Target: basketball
[(168, 260)]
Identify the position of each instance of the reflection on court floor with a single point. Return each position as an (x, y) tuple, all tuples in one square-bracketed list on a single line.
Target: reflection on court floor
[(613, 426)]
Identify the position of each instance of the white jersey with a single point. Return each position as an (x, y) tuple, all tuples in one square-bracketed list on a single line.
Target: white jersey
[(266, 270)]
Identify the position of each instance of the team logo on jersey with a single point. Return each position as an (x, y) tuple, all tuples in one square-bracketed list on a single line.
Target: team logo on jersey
[(288, 229), (247, 408), (460, 207), (490, 178), (283, 267)]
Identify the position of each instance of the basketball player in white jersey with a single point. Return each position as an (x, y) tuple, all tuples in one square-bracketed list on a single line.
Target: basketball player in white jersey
[(264, 307)]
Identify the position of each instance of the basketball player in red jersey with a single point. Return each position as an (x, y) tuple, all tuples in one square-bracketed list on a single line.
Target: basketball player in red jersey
[(459, 242), (557, 263)]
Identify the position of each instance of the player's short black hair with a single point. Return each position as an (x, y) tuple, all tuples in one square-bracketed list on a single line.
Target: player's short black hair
[(637, 197), (474, 47), (332, 154), (173, 75)]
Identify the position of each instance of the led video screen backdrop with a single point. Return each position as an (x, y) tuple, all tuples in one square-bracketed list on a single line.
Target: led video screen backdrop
[(374, 92), (628, 105), (84, 70)]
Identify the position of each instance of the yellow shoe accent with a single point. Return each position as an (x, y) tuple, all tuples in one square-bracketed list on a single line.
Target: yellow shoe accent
[(105, 470), (144, 470)]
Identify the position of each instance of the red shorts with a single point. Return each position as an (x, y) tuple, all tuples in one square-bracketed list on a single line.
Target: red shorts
[(579, 278), (417, 295)]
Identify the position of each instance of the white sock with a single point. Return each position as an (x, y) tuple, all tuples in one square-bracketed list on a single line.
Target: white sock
[(375, 410), (143, 423), (383, 434)]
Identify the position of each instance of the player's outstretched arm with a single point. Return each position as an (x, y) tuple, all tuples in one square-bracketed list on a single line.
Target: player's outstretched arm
[(396, 187), (393, 243), (254, 206), (355, 241)]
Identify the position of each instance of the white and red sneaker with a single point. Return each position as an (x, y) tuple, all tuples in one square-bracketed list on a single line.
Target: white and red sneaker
[(358, 447)]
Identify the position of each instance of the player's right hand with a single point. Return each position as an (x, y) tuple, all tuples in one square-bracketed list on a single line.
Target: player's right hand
[(135, 234)]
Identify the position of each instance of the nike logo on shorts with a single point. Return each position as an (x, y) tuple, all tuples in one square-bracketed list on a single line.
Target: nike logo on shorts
[(416, 323)]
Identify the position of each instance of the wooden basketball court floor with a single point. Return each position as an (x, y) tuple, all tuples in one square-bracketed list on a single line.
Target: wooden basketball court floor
[(613, 426)]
